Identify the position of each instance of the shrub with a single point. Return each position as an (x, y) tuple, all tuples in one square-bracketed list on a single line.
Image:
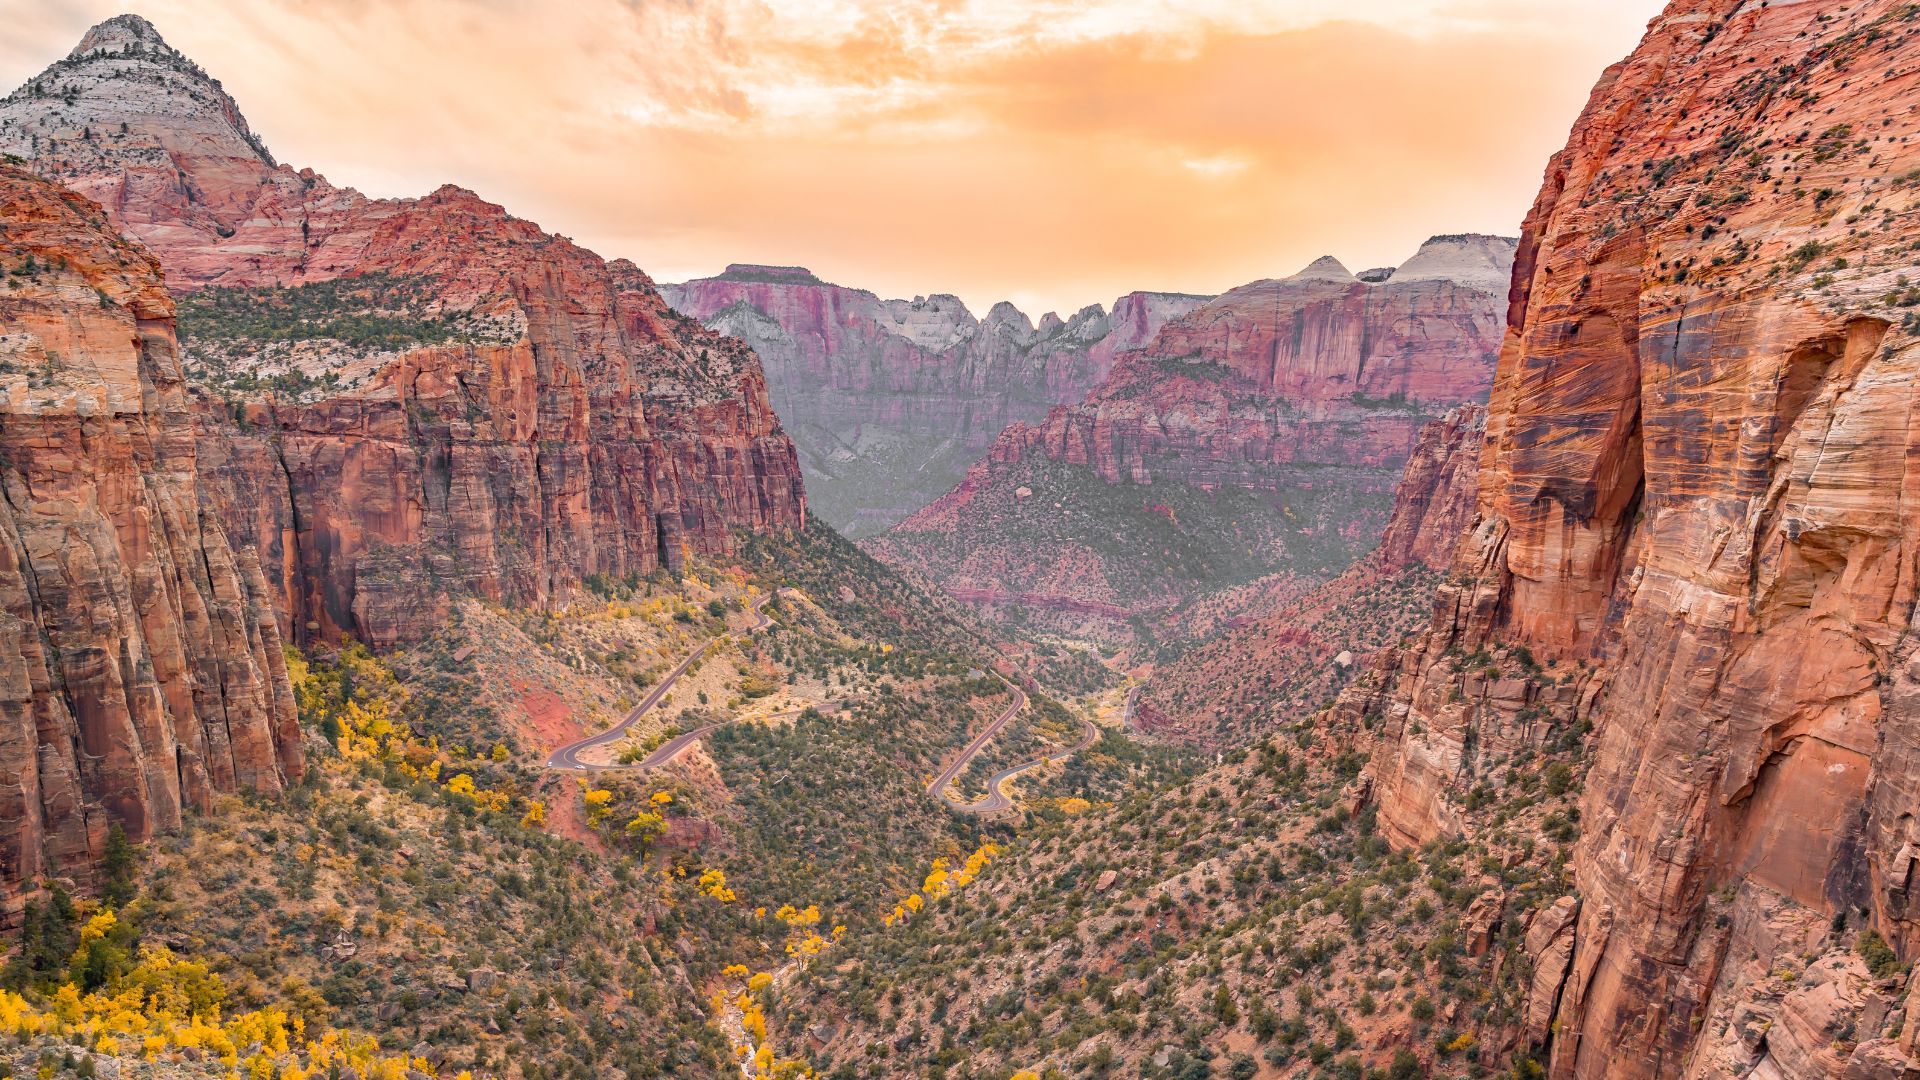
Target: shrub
[(1880, 957)]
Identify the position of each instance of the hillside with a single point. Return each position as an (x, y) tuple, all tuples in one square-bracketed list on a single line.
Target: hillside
[(419, 659)]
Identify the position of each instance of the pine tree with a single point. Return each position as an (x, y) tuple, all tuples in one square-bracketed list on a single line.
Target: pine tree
[(118, 866)]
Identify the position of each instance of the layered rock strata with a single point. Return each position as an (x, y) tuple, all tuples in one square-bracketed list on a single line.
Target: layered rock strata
[(1309, 392), (890, 400), (1265, 671), (1696, 535), (141, 667), (407, 397)]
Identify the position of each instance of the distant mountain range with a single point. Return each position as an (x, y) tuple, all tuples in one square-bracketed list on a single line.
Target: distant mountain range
[(890, 401)]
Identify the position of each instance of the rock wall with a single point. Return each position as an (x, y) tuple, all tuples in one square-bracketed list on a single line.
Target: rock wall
[(1438, 494), (1316, 369), (1309, 392), (568, 424), (1697, 510), (890, 400), (141, 669)]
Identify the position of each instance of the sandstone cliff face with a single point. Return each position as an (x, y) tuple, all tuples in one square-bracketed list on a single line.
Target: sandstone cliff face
[(1308, 393), (1697, 506), (1319, 369), (141, 669), (528, 415), (890, 400), (1438, 493)]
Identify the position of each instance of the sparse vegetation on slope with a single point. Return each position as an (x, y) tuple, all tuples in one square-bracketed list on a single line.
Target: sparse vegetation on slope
[(1250, 922)]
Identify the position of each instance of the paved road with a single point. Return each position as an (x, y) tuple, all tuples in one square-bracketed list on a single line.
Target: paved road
[(938, 789), (996, 799), (1126, 717), (568, 757)]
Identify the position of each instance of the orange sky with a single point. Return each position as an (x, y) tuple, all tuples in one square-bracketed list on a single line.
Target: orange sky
[(1052, 152)]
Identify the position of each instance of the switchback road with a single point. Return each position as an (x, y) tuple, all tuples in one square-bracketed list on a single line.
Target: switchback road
[(568, 757), (996, 798)]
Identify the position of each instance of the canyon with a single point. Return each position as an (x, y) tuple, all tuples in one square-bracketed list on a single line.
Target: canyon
[(1638, 800), (890, 401), (1499, 664), (1274, 662), (1263, 432), (533, 418)]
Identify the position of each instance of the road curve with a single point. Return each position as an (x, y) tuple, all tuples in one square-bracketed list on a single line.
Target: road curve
[(996, 799), (568, 756), (938, 788), (1126, 715)]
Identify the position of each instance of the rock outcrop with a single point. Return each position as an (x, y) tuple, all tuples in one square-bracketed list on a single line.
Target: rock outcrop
[(1697, 536), (889, 401), (1438, 494), (408, 396), (1307, 393), (141, 669), (1319, 369)]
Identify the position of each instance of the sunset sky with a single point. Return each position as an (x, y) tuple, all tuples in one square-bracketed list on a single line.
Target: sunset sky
[(1056, 153)]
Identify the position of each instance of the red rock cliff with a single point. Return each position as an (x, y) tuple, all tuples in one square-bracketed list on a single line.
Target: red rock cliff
[(1316, 369), (1300, 399), (1436, 500), (891, 400), (1273, 667), (141, 669), (560, 421), (1698, 498)]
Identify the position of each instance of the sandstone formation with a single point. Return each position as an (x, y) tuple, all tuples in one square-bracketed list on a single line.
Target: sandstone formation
[(141, 668), (1285, 663), (1436, 500), (889, 401), (1697, 511), (1309, 393), (1319, 369), (463, 402)]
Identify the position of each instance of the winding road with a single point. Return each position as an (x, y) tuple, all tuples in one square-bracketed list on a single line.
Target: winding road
[(996, 798), (568, 756)]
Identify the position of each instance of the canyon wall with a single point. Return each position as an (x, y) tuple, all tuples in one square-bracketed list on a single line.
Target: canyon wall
[(889, 401), (1263, 432), (141, 668), (407, 397), (1697, 536), (1318, 369), (1438, 494)]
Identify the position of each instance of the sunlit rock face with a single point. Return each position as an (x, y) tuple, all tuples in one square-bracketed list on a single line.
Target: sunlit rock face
[(141, 670), (1698, 504), (1309, 392)]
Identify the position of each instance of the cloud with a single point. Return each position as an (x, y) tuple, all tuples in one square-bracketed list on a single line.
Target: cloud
[(1060, 151)]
